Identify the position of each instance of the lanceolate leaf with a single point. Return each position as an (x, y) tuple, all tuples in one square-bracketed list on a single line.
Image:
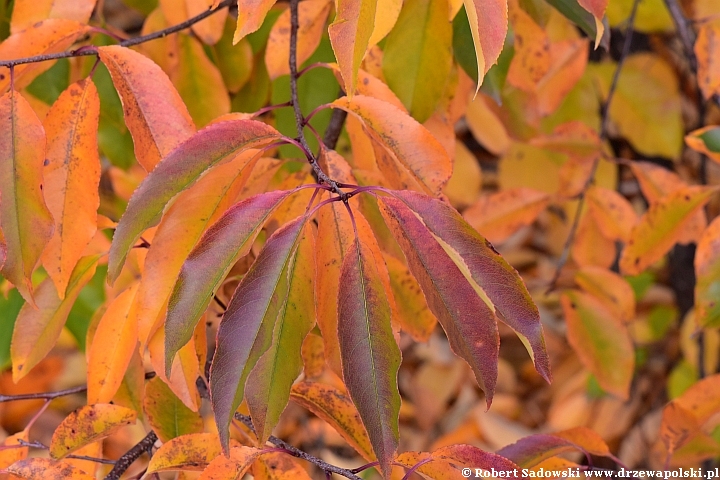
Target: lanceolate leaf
[(251, 14), (154, 112), (412, 144), (530, 451), (72, 176), (269, 383), (88, 424), (336, 408), (246, 329), (207, 265), (498, 280), (26, 222), (37, 329), (370, 356), (180, 169), (468, 322), (488, 24), (350, 36), (660, 227), (417, 57), (601, 341)]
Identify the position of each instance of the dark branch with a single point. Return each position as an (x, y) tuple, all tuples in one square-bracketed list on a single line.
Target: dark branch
[(332, 134), (43, 396), (296, 452), (84, 51), (124, 462)]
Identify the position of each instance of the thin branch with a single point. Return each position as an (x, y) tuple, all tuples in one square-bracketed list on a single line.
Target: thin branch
[(43, 396), (604, 122), (124, 462), (296, 452), (42, 446), (332, 134), (84, 51)]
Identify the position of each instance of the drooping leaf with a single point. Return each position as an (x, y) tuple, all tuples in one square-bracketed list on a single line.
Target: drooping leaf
[(269, 383), (88, 424), (417, 57), (600, 340), (337, 409), (499, 215), (350, 35), (413, 146), (154, 112), (37, 329), (232, 467), (489, 25), (246, 329), (533, 449), (597, 8), (370, 356), (468, 322), (707, 272), (180, 169), (659, 229), (209, 262), (497, 279), (27, 224), (38, 468), (251, 15), (199, 83), (45, 37), (312, 15), (707, 48), (166, 413), (112, 347), (71, 178), (192, 451), (176, 235)]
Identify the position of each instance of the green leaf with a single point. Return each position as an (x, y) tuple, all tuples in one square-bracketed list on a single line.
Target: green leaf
[(9, 309), (418, 56), (167, 414), (572, 10), (246, 330), (210, 261), (370, 356), (179, 170), (268, 386)]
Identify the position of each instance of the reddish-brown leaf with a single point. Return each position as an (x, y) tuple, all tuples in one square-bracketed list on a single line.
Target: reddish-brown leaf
[(533, 449), (154, 112), (489, 25)]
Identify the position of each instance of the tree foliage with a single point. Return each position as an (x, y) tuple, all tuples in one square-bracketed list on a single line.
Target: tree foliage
[(248, 219)]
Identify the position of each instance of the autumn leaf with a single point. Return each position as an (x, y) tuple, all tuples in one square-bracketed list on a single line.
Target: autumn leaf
[(707, 46), (614, 215), (213, 145), (707, 272), (233, 466), (251, 14), (38, 468), (71, 178), (370, 356), (26, 13), (166, 413), (610, 288), (278, 466), (488, 25), (531, 450), (193, 451), (705, 140), (88, 424), (245, 331), (154, 112), (350, 35)]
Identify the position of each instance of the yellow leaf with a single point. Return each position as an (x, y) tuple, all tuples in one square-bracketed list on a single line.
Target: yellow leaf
[(88, 424), (232, 467), (278, 466), (610, 288), (37, 468), (211, 29), (485, 124), (193, 451)]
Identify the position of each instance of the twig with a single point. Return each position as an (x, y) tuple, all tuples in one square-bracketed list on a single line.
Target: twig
[(43, 396), (125, 43), (332, 134), (124, 462), (604, 119), (296, 452), (42, 446), (294, 99)]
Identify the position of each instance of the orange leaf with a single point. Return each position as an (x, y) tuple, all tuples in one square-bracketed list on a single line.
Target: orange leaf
[(661, 226), (232, 467), (415, 149), (211, 29), (484, 122), (600, 340), (338, 410), (707, 50), (8, 456), (193, 451), (369, 86), (707, 272), (610, 288), (112, 348), (497, 216), (88, 424), (534, 449), (47, 36), (184, 370), (37, 468), (26, 13), (597, 8), (311, 18), (415, 318), (251, 14), (278, 466), (350, 35), (38, 328), (488, 25), (72, 177), (614, 215), (27, 224), (532, 52), (154, 112), (591, 247)]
